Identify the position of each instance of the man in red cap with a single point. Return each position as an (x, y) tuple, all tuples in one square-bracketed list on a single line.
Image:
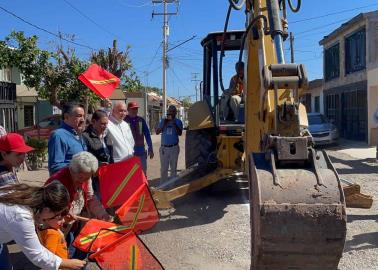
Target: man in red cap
[(12, 154), (140, 132)]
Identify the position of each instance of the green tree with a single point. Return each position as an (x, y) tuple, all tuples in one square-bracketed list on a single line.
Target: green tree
[(118, 63), (187, 102), (132, 83), (115, 61), (53, 75), (22, 52), (153, 89)]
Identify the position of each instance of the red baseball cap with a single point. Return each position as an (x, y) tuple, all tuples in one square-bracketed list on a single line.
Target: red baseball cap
[(14, 142), (132, 105)]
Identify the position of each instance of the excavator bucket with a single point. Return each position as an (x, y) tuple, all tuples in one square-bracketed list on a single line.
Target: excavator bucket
[(296, 222), (353, 196)]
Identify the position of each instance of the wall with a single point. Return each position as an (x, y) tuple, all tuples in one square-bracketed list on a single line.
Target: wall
[(350, 78), (372, 106), (21, 102), (372, 42), (315, 92), (140, 101)]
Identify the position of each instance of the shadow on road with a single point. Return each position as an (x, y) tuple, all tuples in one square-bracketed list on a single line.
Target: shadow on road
[(355, 166), (20, 262), (204, 206), (351, 218), (362, 241)]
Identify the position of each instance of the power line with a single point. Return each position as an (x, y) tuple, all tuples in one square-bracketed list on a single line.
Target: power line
[(165, 15), (156, 53), (186, 65), (321, 26), (89, 19), (46, 31), (183, 85), (182, 43), (333, 13), (135, 6)]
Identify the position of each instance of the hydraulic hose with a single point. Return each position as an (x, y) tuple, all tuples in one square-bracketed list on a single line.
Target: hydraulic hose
[(251, 24), (222, 48), (297, 8), (236, 5)]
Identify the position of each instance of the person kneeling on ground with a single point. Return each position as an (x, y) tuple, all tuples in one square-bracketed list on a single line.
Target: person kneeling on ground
[(21, 207)]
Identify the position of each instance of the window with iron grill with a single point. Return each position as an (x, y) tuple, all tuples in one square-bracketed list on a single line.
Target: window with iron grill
[(317, 104), (28, 115), (332, 62), (355, 52)]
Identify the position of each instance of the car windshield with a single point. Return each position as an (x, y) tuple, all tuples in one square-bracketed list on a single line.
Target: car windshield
[(317, 119), (44, 124)]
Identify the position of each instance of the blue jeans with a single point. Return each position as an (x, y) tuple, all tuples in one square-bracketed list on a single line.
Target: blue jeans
[(5, 263), (143, 160)]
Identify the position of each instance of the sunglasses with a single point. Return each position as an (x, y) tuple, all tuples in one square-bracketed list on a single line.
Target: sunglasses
[(60, 215)]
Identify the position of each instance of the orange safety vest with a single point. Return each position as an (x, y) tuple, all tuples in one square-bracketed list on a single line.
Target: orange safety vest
[(238, 85)]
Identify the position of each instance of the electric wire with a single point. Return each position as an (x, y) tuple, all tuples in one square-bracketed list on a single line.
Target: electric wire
[(90, 19), (332, 13), (46, 31)]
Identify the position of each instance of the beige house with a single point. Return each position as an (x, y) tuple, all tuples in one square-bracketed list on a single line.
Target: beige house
[(153, 111), (350, 68), (27, 99), (312, 98)]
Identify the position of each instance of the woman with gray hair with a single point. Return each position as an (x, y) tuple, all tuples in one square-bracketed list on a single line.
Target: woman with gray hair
[(77, 179)]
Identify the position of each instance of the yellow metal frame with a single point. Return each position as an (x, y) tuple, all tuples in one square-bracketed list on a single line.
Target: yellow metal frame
[(163, 198), (229, 157)]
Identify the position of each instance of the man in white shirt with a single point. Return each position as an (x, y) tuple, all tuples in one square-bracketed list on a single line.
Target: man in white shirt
[(120, 133)]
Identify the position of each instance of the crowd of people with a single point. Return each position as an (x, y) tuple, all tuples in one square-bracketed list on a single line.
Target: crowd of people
[(42, 220)]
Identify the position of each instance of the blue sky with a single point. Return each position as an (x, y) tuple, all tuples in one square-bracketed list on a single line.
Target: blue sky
[(130, 21)]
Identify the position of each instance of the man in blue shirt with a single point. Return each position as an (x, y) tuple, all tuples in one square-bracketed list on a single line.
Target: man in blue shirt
[(140, 132), (170, 129), (67, 141)]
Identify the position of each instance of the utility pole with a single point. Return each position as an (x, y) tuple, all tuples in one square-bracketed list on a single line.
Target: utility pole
[(196, 80), (145, 100), (165, 14), (292, 47)]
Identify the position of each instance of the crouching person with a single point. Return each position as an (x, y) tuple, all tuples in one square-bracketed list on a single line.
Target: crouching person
[(77, 179), (21, 207)]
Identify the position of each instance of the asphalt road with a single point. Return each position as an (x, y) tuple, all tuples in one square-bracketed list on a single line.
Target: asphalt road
[(205, 230), (210, 229)]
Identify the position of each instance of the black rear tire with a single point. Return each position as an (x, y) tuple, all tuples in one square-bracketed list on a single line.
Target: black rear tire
[(200, 147)]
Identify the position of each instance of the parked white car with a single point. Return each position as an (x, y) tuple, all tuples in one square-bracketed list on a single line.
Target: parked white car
[(322, 130)]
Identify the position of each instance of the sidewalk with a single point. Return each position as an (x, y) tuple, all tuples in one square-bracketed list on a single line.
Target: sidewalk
[(356, 149)]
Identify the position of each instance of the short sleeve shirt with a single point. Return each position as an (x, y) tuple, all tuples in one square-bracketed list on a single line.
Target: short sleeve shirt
[(169, 134)]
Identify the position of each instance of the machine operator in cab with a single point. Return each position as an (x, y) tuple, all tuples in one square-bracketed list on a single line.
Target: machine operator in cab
[(232, 97)]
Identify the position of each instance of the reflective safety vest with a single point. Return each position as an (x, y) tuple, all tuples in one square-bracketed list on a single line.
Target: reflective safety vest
[(128, 252), (118, 181), (97, 234), (238, 85)]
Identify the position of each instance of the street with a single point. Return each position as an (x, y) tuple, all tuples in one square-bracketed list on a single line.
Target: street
[(210, 229)]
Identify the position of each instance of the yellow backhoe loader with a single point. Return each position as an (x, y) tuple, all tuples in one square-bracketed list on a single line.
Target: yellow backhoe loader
[(298, 210)]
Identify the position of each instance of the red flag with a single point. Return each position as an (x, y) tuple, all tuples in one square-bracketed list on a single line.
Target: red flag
[(128, 252), (97, 234), (139, 211), (99, 80), (118, 181)]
